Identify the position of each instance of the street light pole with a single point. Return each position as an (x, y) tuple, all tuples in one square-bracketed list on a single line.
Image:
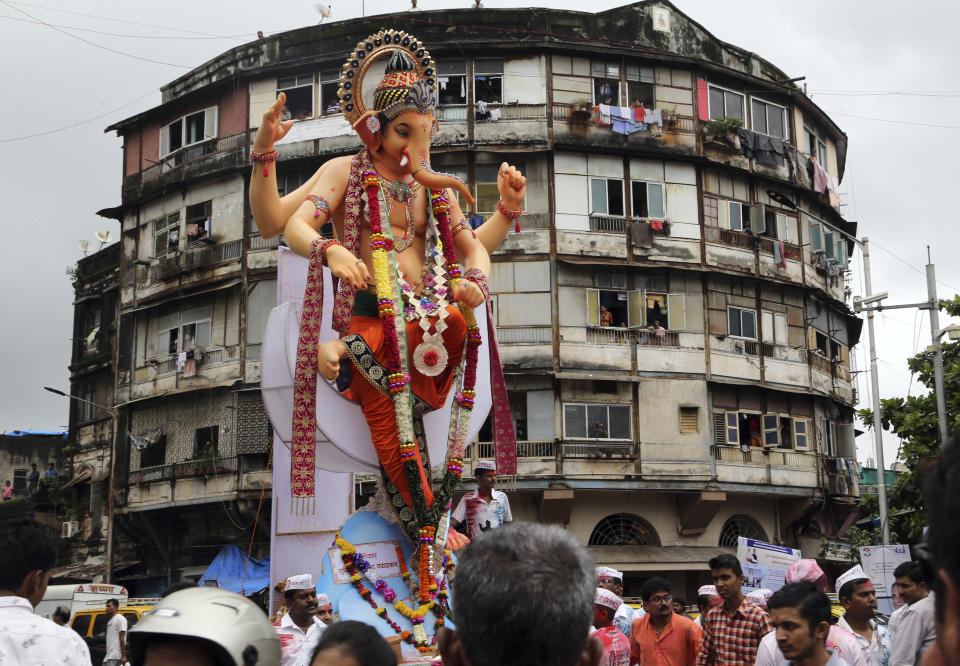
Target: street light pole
[(875, 387), (935, 334)]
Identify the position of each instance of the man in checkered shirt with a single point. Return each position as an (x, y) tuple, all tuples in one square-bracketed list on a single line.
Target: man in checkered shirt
[(732, 631)]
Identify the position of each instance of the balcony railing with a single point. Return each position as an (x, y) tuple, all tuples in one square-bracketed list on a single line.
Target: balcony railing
[(609, 335), (546, 448), (254, 351), (821, 363), (194, 154), (525, 335), (758, 456), (257, 242), (184, 470), (608, 223), (651, 339), (599, 449), (195, 258)]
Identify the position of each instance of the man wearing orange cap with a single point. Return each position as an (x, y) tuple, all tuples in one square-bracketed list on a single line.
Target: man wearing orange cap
[(616, 647)]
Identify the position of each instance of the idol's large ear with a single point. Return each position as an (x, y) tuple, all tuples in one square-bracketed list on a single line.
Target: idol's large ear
[(368, 128)]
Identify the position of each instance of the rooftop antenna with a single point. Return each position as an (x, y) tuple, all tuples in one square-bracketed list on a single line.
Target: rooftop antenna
[(84, 246), (325, 11), (104, 237)]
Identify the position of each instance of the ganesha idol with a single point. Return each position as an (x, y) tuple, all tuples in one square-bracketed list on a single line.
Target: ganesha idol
[(401, 339)]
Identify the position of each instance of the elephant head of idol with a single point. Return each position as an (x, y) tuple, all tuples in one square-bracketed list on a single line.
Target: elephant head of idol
[(400, 125)]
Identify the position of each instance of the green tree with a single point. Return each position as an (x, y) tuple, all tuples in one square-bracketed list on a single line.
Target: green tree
[(914, 420)]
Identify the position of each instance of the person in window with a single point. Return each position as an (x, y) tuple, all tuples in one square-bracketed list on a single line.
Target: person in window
[(659, 331), (606, 317)]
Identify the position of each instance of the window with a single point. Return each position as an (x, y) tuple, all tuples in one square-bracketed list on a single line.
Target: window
[(729, 431), (289, 180), (205, 442), (689, 420), (769, 119), (608, 422), (711, 211), (461, 172), (811, 140), (166, 234), (606, 196), (656, 310), (19, 480), (640, 88), (740, 526), (452, 82), (299, 90), (786, 432), (199, 219), (780, 226), (154, 454), (828, 437), (86, 410), (735, 216), (800, 434), (329, 85), (612, 308), (742, 323), (184, 331), (606, 83), (840, 250), (623, 529), (188, 130), (647, 199), (80, 624), (487, 193), (725, 103), (822, 153), (771, 430), (774, 325), (488, 80), (100, 625)]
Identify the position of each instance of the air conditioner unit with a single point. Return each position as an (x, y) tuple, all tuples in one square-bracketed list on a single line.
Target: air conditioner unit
[(69, 528)]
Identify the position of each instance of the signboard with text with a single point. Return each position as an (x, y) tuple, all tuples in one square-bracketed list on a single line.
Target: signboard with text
[(764, 564), (382, 556), (879, 562)]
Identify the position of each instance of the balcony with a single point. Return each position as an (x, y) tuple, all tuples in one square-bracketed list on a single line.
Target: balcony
[(192, 162), (574, 126), (195, 258), (766, 466), (193, 481)]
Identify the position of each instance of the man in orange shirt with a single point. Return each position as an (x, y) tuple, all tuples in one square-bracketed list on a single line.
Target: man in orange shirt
[(661, 637)]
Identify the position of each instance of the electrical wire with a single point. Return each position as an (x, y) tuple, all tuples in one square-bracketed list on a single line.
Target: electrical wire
[(115, 34), (253, 532), (887, 120), (87, 41), (912, 267), (109, 18), (82, 122)]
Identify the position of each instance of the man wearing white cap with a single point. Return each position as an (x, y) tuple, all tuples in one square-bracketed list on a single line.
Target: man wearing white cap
[(612, 580), (859, 600), (840, 640), (485, 508), (616, 647), (324, 609), (760, 597), (707, 598), (299, 629)]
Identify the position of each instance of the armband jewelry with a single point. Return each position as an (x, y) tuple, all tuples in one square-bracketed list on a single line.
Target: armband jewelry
[(321, 204), (266, 158), (321, 245), (510, 214), (463, 226), (476, 276)]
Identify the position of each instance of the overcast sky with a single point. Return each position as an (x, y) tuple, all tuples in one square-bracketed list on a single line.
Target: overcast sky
[(897, 177)]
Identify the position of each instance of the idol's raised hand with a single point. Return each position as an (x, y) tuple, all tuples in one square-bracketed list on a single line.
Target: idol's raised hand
[(272, 129), (512, 186)]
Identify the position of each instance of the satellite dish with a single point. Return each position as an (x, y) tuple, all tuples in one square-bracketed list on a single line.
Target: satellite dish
[(103, 236), (84, 246), (325, 11)]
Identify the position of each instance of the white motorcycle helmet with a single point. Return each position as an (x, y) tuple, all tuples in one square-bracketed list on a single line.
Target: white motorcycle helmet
[(236, 630)]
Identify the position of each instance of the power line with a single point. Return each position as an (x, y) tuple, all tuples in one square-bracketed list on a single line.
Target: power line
[(82, 122), (87, 41), (895, 122), (115, 34), (109, 18), (912, 267), (922, 93)]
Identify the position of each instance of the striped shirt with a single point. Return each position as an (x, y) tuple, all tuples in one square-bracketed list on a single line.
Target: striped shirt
[(733, 641)]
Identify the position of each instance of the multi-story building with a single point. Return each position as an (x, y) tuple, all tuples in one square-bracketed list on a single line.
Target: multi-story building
[(658, 448)]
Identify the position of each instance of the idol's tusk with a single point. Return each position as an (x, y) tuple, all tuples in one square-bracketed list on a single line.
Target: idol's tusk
[(404, 161)]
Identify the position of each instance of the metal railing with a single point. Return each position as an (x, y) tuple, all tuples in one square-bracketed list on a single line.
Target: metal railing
[(194, 153), (599, 449), (759, 456), (195, 258), (651, 339), (525, 335), (254, 351), (608, 223), (545, 448), (257, 242), (184, 470), (609, 335), (751, 347)]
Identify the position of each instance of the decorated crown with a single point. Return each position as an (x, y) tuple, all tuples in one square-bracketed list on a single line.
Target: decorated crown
[(409, 82)]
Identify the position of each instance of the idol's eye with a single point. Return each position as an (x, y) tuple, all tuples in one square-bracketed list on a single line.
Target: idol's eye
[(402, 132)]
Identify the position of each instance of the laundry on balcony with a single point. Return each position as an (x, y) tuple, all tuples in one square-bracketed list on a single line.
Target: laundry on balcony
[(761, 147), (780, 254), (823, 183), (642, 234), (149, 438), (602, 112)]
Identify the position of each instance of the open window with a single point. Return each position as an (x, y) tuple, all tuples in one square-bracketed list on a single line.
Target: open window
[(647, 199), (606, 83), (166, 234), (199, 222), (737, 216), (613, 308), (299, 90), (774, 325), (771, 430), (329, 85), (452, 81), (800, 434), (640, 88), (606, 196), (188, 130), (184, 331), (780, 226), (732, 427), (488, 80), (154, 454), (205, 442)]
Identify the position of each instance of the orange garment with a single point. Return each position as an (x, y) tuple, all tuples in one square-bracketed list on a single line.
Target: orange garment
[(676, 646), (378, 407)]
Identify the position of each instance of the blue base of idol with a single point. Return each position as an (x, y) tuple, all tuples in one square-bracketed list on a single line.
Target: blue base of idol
[(369, 527)]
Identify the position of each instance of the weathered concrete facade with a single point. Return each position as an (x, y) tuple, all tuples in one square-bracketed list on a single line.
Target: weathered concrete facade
[(737, 420)]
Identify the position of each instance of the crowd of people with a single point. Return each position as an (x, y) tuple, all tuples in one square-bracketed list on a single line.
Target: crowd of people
[(527, 594)]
